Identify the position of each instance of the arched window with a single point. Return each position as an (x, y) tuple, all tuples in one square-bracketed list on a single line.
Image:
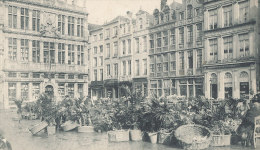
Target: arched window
[(244, 85), (189, 11), (173, 15), (156, 16), (228, 85)]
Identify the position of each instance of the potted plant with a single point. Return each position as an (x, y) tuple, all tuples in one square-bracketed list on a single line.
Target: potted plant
[(82, 108)]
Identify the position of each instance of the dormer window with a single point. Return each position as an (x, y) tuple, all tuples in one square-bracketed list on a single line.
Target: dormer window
[(140, 23)]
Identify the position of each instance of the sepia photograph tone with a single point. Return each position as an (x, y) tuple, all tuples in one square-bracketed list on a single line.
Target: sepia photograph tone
[(129, 74)]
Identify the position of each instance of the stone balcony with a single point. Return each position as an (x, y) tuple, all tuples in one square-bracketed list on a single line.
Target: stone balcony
[(43, 67)]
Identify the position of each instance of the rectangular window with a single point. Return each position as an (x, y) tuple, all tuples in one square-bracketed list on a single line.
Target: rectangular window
[(181, 32), (108, 70), (101, 60), (108, 50), (199, 58), (48, 52), (107, 33), (124, 68), (80, 55), (190, 34), (159, 40), (115, 49), (173, 38), (61, 53), (181, 15), (129, 46), (165, 38), (95, 50), (243, 11), (36, 20), (95, 61), (11, 92), (24, 75), (101, 36), (80, 27), (36, 51), (199, 32), (152, 62), (71, 90), (12, 51), (159, 63), (35, 91), (80, 90), (228, 47), (24, 91), (151, 41), (244, 45), (12, 17), (101, 74), (213, 44), (181, 55), (137, 45), (228, 16), (137, 70), (190, 59), (95, 74), (61, 24), (165, 63), (61, 76), (124, 47), (101, 48), (115, 29), (173, 61), (129, 67), (12, 74), (145, 44), (183, 87), (71, 23), (24, 50), (71, 54), (61, 90), (36, 75), (24, 18), (213, 19), (116, 69), (145, 66)]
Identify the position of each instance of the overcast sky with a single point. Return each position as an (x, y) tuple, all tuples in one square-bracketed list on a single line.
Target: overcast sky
[(105, 10)]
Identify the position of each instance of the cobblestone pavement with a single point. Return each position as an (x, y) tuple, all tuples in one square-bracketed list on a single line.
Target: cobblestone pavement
[(21, 139)]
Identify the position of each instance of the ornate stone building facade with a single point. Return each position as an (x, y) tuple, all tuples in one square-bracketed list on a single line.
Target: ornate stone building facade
[(176, 49), (43, 49), (231, 48)]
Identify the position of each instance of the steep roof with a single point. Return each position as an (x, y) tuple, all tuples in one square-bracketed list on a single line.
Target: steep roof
[(93, 26)]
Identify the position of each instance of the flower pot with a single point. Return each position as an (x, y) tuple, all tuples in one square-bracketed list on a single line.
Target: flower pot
[(136, 135), (69, 125), (221, 140), (51, 130), (118, 136), (37, 128), (85, 129), (164, 138), (153, 137)]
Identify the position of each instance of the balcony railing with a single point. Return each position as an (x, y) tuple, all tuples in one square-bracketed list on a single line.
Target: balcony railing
[(43, 67)]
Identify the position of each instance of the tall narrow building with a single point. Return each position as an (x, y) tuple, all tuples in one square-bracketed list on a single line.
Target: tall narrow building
[(43, 49), (175, 50)]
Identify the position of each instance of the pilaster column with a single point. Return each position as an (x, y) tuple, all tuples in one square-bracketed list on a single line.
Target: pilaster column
[(206, 21), (235, 82), (178, 87), (206, 56), (18, 50), (5, 95), (220, 82), (220, 17), (56, 52), (19, 18), (235, 13), (30, 18), (220, 48), (41, 51), (30, 50), (252, 43), (66, 54), (76, 94), (235, 46)]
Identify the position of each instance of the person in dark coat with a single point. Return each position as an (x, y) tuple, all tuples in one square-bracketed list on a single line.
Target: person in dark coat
[(4, 144), (246, 129)]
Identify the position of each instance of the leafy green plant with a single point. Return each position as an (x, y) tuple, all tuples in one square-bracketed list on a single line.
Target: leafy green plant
[(18, 104)]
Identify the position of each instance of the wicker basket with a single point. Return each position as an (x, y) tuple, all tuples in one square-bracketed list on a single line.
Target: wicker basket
[(220, 140), (193, 136), (164, 137), (37, 128), (118, 136)]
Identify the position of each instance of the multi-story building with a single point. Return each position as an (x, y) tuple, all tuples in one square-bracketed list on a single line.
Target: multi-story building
[(140, 54), (43, 49), (175, 50), (231, 56), (96, 62)]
